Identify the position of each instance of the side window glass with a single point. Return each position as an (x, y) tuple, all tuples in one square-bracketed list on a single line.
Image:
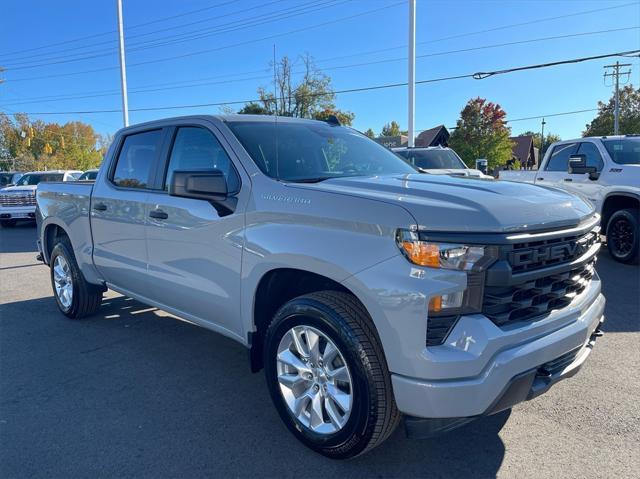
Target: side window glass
[(196, 148), (559, 159), (594, 158), (136, 158)]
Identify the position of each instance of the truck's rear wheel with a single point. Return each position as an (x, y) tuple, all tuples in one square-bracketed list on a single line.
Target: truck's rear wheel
[(623, 236), (75, 297), (327, 375)]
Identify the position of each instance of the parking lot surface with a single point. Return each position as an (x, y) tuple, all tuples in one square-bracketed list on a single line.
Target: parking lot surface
[(133, 392)]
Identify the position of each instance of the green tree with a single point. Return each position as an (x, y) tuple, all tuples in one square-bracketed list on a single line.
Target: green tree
[(602, 124), (391, 129), (481, 132), (370, 133), (310, 97)]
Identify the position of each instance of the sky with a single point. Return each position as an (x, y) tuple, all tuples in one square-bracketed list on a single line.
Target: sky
[(63, 56)]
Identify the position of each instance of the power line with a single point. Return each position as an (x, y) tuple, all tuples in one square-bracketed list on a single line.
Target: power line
[(477, 76), (247, 22), (209, 50), (138, 25), (203, 82)]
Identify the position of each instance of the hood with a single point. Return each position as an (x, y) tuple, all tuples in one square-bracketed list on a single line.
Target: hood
[(456, 172), (453, 204), (19, 189)]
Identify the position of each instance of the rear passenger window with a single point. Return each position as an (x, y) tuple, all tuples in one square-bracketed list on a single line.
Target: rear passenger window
[(136, 158), (559, 160), (196, 148)]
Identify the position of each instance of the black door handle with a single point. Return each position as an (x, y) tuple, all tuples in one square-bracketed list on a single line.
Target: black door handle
[(540, 179), (158, 214), (568, 179), (100, 207)]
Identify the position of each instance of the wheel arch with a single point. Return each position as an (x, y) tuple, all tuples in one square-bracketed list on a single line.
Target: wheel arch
[(617, 201), (274, 289)]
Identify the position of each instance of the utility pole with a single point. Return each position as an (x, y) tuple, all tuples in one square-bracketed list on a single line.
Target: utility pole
[(541, 142), (616, 76), (123, 68), (412, 72)]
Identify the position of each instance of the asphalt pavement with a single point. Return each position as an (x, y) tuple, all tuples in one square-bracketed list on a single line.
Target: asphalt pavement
[(134, 392)]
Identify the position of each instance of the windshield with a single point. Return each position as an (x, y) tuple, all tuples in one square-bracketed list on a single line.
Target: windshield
[(625, 151), (5, 178), (34, 179), (314, 151), (436, 159), (88, 176)]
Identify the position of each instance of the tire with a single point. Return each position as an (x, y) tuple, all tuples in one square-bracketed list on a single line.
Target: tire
[(85, 297), (342, 321), (623, 236), (8, 223)]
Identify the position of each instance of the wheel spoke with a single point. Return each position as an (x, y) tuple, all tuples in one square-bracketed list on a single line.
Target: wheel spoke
[(342, 399), (313, 341), (329, 354), (333, 413), (317, 418), (290, 359), (339, 374), (298, 342), (291, 381)]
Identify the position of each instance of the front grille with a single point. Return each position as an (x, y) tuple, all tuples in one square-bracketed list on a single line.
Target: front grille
[(532, 255), (556, 366), (17, 199), (535, 298)]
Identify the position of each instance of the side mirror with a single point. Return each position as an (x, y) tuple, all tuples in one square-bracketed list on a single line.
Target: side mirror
[(208, 185), (578, 166)]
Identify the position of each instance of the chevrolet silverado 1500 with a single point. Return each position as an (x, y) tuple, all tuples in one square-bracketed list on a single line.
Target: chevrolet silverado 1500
[(605, 170), (368, 293)]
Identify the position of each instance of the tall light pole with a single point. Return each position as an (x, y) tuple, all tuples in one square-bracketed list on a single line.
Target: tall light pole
[(412, 72), (540, 153), (123, 68)]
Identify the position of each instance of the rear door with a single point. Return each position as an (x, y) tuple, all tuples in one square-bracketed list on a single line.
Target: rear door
[(119, 211), (194, 250)]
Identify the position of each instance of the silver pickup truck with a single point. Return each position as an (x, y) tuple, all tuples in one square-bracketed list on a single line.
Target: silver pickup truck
[(369, 293)]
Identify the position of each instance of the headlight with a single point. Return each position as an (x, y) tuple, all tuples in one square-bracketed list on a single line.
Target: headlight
[(441, 255)]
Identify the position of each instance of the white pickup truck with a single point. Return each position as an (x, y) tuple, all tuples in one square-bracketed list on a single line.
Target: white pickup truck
[(605, 170)]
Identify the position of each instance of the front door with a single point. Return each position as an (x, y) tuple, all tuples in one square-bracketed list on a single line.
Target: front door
[(119, 212), (555, 172), (195, 251)]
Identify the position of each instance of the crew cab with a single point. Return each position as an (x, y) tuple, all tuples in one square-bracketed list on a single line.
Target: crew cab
[(18, 202), (437, 160), (606, 170), (369, 293)]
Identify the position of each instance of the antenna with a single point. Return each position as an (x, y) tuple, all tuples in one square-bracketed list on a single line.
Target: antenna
[(275, 99)]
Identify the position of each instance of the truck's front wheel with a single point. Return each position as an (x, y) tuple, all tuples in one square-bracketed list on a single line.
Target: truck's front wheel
[(623, 236), (75, 297), (327, 375)]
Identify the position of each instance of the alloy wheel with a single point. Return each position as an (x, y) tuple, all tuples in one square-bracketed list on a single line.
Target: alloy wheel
[(63, 281)]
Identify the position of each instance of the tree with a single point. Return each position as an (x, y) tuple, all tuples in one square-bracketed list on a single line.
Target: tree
[(481, 132), (602, 124), (548, 139), (311, 97), (390, 129), (370, 133), (35, 145)]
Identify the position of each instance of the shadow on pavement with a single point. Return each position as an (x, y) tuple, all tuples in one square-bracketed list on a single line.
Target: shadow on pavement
[(621, 287), (132, 392), (19, 239)]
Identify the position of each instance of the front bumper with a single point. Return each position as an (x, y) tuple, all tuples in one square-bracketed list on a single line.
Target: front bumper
[(18, 213), (512, 375)]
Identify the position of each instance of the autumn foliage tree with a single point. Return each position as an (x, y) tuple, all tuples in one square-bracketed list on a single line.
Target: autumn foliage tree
[(602, 124), (481, 132), (28, 145)]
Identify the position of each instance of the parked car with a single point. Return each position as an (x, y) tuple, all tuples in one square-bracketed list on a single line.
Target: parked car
[(18, 202), (9, 178), (368, 292), (89, 175), (437, 160), (606, 170)]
